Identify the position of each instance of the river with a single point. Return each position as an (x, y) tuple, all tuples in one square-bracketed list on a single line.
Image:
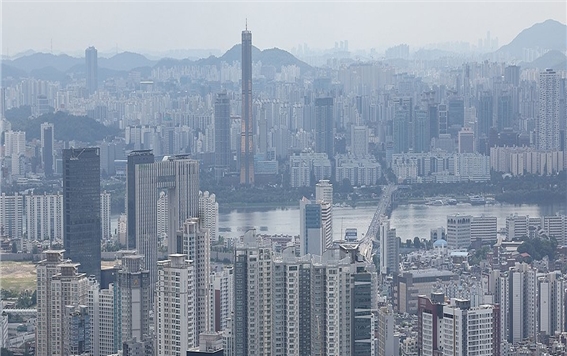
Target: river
[(409, 220)]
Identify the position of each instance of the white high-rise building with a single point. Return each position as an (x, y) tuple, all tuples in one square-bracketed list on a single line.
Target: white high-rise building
[(175, 306), (316, 227), (11, 215), (484, 229), (469, 331), (388, 342), (45, 269), (162, 216), (324, 191), (105, 215), (389, 248), (44, 215), (14, 143), (458, 231), (555, 226), (518, 294), (516, 226), (551, 307), (547, 128), (209, 214), (69, 288), (194, 241), (104, 313)]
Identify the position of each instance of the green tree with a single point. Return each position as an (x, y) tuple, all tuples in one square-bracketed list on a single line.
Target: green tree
[(416, 242)]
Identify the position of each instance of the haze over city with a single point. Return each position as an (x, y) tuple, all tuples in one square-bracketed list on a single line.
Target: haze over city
[(153, 27)]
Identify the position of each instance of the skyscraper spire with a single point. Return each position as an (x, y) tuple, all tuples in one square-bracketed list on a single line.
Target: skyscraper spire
[(247, 138)]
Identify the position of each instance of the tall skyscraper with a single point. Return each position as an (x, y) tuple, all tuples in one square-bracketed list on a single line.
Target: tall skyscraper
[(247, 132), (551, 306), (209, 214), (458, 231), (222, 131), (47, 149), (134, 158), (484, 112), (81, 208), (11, 215), (105, 215), (179, 177), (548, 118), (324, 127), (91, 62)]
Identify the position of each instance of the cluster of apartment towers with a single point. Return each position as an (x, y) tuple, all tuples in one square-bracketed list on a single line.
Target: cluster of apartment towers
[(318, 300)]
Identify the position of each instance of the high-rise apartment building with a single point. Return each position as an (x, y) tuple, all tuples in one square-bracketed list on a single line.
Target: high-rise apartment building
[(68, 288), (224, 298), (134, 158), (81, 208), (359, 141), (14, 143), (105, 215), (247, 132), (91, 63), (77, 330), (547, 128), (468, 331), (484, 229), (47, 148), (551, 303), (456, 328), (45, 269), (209, 214), (389, 249), (175, 306), (179, 177), (104, 311), (466, 140), (310, 305), (193, 240), (324, 127), (316, 227), (11, 215), (135, 291), (388, 341), (44, 215), (223, 152)]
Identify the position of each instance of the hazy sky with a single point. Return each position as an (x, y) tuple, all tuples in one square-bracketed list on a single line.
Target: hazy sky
[(160, 26)]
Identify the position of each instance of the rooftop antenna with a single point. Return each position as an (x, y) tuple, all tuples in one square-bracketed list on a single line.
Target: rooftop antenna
[(52, 46), (246, 25)]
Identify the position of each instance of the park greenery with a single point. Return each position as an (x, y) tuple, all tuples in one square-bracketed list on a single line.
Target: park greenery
[(538, 247), (66, 127)]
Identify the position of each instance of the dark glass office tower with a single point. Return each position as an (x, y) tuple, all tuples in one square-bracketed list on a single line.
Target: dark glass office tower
[(247, 135), (81, 208), (222, 131), (47, 151), (91, 61), (134, 158)]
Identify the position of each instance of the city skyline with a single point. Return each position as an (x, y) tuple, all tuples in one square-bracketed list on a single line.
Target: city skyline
[(318, 30)]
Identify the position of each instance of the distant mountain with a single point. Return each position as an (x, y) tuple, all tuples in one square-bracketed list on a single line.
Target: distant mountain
[(61, 62), (274, 56), (549, 34), (58, 67), (552, 59), (50, 74), (125, 61), (13, 72)]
